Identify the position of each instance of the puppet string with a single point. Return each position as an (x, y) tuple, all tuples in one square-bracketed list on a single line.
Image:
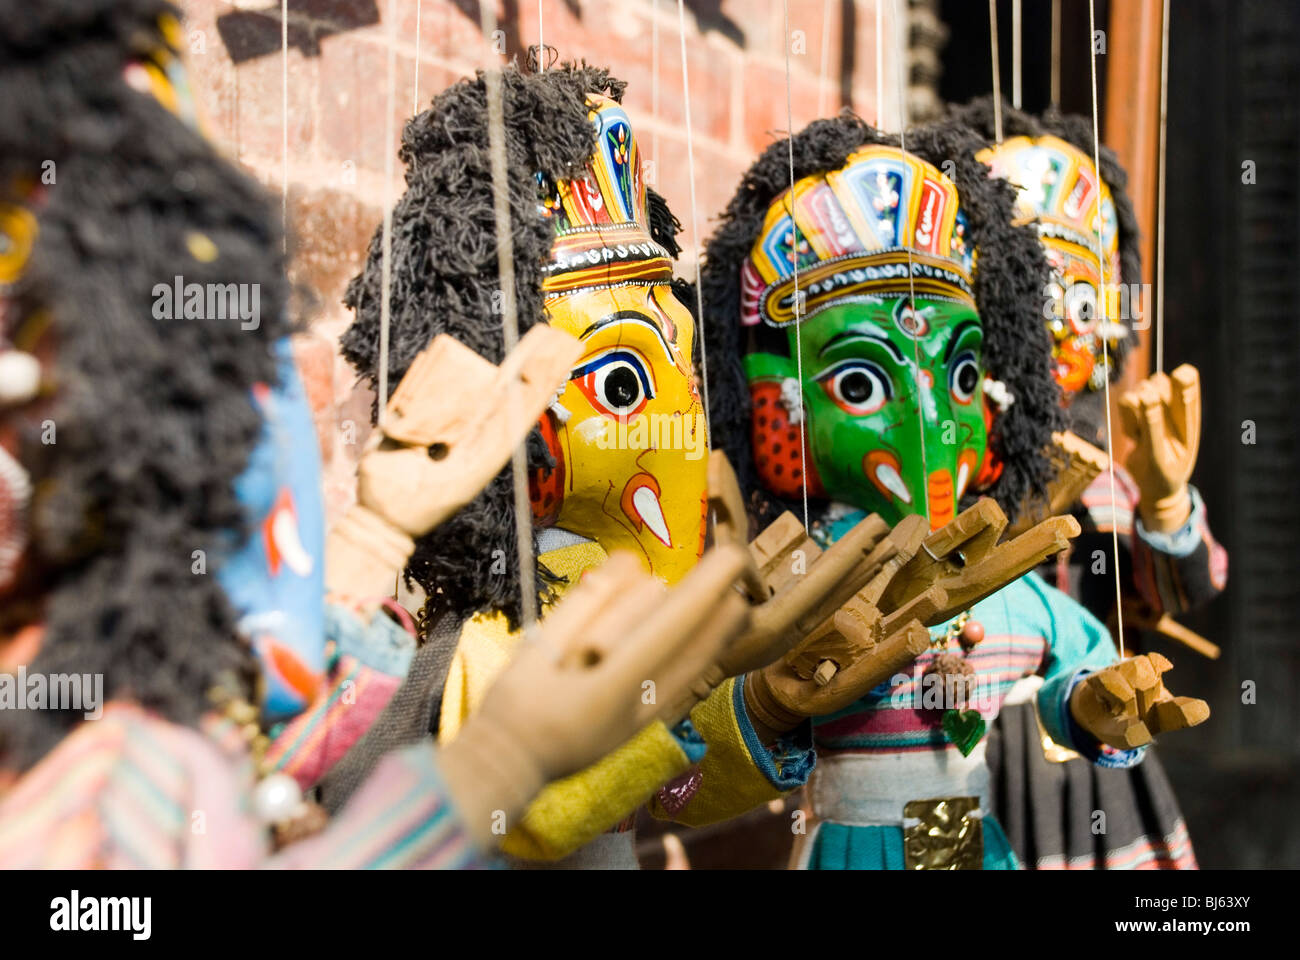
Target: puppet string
[(1102, 301), (695, 216), (386, 252), (794, 260), (997, 70), (1056, 52), (1160, 190), (880, 64), (493, 88), (903, 217), (1016, 65), (415, 87)]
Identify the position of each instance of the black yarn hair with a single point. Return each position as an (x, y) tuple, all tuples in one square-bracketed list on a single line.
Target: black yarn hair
[(154, 418), (1010, 274), (444, 280), (1086, 412)]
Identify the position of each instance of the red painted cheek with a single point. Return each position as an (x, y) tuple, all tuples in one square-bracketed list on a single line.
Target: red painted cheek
[(546, 492), (778, 456)]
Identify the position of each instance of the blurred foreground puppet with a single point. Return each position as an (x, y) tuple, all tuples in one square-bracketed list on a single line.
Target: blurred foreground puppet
[(1170, 562), (161, 541), (914, 361)]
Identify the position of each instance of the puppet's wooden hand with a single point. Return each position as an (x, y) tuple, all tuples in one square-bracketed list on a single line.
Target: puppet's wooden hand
[(926, 581), (612, 656), (452, 423), (1163, 416), (1127, 704), (448, 429)]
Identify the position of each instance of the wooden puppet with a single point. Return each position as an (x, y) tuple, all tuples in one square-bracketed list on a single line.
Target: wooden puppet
[(161, 525), (619, 461), (874, 341), (1169, 560)]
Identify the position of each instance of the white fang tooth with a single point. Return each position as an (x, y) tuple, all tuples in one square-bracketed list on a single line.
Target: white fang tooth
[(888, 476), (651, 513)]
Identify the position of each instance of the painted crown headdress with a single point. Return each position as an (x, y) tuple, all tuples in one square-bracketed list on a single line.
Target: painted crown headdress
[(602, 224), (1059, 192), (853, 233)]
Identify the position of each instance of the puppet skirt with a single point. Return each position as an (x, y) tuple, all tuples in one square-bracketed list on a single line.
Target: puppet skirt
[(841, 846), (1073, 815)]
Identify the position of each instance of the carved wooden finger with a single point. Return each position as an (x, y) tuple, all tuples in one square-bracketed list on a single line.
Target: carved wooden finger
[(730, 523), (1076, 463), (1177, 714)]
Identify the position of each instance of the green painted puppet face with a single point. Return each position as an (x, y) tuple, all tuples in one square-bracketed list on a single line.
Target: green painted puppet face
[(894, 400)]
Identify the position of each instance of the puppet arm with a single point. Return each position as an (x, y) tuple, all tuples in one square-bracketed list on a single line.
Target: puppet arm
[(1103, 708), (738, 772), (1177, 563), (371, 655), (702, 611)]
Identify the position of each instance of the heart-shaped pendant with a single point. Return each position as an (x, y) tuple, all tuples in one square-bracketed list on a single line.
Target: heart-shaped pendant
[(964, 729)]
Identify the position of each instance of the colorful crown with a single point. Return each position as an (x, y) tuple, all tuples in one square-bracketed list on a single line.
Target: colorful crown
[(602, 227), (857, 230), (1059, 192), (1057, 187)]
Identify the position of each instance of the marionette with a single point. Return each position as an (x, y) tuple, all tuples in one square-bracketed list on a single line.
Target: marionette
[(619, 461), (161, 521), (875, 345), (1169, 560)]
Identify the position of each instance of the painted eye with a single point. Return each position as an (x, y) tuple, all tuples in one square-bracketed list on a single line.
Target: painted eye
[(1081, 306), (616, 383), (857, 386), (964, 377)]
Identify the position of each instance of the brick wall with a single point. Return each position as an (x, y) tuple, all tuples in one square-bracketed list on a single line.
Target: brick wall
[(337, 102)]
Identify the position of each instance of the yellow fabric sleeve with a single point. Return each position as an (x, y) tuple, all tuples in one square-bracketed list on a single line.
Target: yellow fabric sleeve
[(730, 781), (574, 811)]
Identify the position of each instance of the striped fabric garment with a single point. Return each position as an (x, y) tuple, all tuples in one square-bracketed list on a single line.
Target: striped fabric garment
[(890, 748), (1029, 628), (131, 790)]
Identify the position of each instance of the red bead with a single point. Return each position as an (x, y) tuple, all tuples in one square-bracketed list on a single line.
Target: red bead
[(972, 633)]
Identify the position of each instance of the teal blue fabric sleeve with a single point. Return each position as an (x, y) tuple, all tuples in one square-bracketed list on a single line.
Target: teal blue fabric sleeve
[(689, 739), (788, 763), (381, 644), (1078, 645)]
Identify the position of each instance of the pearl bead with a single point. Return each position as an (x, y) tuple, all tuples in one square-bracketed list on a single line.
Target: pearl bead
[(277, 798), (20, 376)]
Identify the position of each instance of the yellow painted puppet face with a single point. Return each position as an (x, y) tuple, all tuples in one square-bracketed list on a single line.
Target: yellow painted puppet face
[(628, 431), (632, 455)]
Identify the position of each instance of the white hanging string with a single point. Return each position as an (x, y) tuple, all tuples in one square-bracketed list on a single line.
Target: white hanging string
[(1160, 191), (997, 71), (1102, 303), (794, 259), (541, 40), (494, 91), (386, 252), (880, 64), (695, 217), (904, 216), (1016, 66), (654, 89), (415, 87), (1056, 53)]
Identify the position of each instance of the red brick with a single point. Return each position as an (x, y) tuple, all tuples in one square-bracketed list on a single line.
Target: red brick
[(354, 98), (765, 105)]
